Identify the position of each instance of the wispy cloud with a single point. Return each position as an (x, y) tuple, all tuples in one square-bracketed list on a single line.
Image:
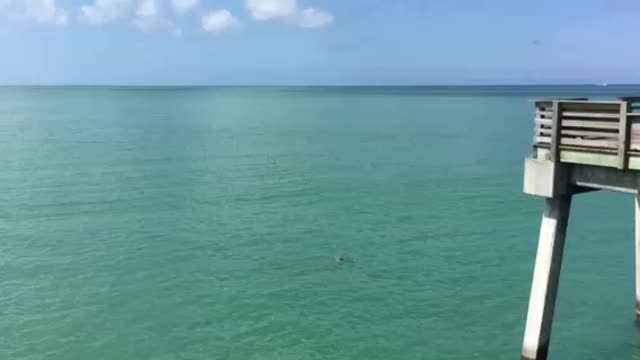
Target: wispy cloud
[(271, 9), (219, 20), (184, 6), (149, 17), (148, 8), (104, 11), (288, 11), (44, 11), (312, 18)]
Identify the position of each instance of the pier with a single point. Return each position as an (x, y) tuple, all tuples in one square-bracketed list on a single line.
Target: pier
[(579, 146)]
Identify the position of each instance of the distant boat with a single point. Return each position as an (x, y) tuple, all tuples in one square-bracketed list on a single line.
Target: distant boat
[(603, 84)]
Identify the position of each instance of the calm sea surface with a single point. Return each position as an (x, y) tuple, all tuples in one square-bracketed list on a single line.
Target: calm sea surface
[(202, 223)]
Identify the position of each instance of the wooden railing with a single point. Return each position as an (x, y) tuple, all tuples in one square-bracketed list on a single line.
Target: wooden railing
[(600, 127)]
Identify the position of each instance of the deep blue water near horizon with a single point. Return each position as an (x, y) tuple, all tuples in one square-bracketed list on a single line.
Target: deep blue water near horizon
[(201, 223)]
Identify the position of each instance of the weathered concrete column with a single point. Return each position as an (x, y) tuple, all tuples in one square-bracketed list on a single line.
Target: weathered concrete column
[(546, 275), (637, 224)]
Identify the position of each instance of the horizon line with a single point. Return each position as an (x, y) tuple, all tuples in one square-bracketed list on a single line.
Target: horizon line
[(599, 85)]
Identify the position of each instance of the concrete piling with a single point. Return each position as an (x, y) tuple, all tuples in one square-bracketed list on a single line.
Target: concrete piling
[(546, 276), (637, 246)]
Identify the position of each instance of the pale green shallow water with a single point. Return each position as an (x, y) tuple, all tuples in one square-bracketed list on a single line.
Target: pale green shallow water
[(202, 224)]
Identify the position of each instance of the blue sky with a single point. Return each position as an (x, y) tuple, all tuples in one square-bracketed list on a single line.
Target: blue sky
[(305, 42)]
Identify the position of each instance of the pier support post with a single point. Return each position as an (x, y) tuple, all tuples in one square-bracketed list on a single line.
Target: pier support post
[(637, 245), (546, 275)]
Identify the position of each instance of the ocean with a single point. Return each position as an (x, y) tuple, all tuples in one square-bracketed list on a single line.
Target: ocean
[(202, 223)]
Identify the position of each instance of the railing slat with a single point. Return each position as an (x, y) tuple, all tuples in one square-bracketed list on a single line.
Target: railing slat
[(581, 124), (586, 143), (590, 115), (580, 133), (612, 135)]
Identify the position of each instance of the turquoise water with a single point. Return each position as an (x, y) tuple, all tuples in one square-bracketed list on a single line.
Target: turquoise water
[(203, 223)]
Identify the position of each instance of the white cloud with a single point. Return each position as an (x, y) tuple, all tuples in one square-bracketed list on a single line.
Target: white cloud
[(184, 6), (148, 9), (288, 11), (148, 15), (313, 18), (103, 11), (45, 11), (271, 9), (149, 18), (219, 20)]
